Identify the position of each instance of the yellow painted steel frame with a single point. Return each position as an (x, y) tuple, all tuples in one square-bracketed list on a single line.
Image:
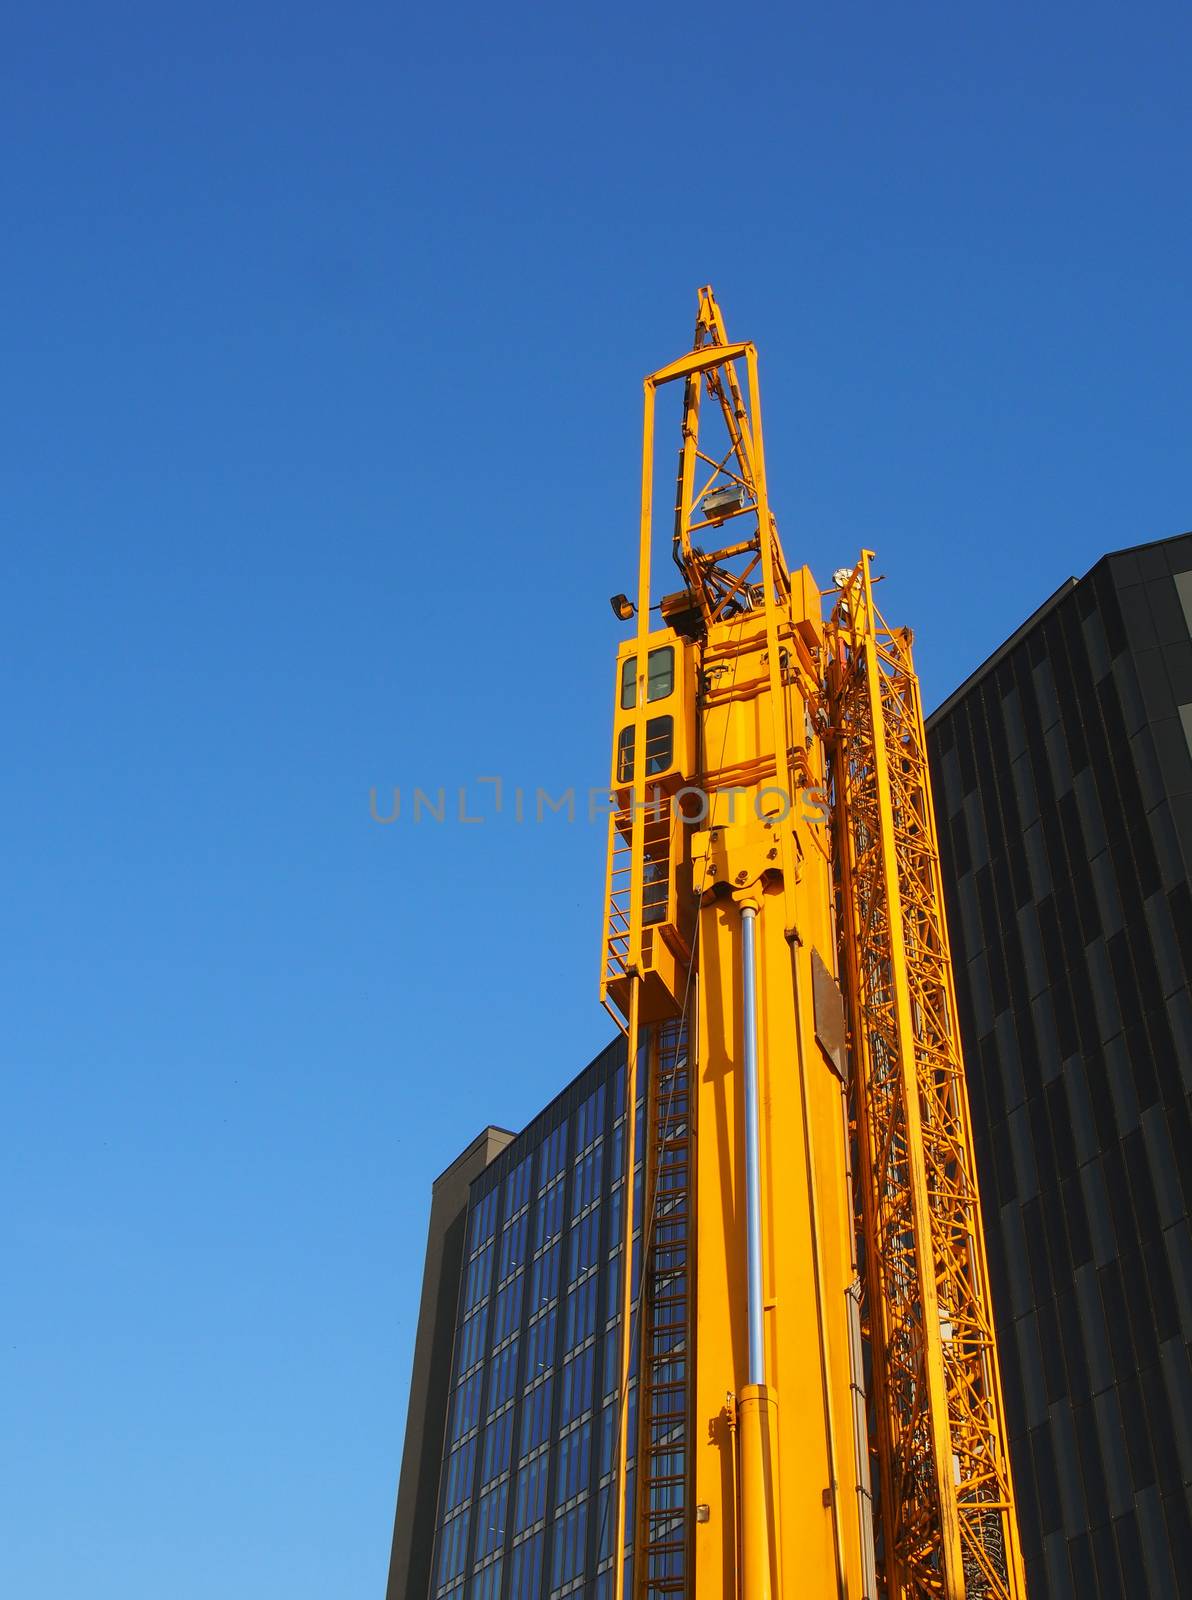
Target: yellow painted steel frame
[(779, 1488), (947, 1504)]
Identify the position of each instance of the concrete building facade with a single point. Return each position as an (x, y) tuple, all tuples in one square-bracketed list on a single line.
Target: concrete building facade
[(418, 1487)]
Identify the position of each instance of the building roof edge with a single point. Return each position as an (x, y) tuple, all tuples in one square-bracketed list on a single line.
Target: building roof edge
[(1002, 651), (470, 1149), (1035, 618)]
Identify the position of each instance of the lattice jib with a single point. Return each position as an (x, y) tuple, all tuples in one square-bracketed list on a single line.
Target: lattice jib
[(946, 1498)]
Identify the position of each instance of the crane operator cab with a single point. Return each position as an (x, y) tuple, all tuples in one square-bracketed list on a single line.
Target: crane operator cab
[(654, 771)]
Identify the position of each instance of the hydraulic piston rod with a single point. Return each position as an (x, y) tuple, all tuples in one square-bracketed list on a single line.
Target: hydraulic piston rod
[(755, 1403), (753, 1178)]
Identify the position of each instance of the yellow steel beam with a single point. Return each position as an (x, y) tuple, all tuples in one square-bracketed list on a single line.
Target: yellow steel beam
[(697, 361)]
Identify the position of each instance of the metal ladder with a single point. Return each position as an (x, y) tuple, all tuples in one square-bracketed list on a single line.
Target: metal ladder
[(665, 1363)]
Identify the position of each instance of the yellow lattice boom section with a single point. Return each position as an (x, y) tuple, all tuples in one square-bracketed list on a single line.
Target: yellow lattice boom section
[(939, 1437)]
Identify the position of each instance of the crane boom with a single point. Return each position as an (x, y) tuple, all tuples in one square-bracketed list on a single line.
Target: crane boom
[(774, 947), (947, 1502)]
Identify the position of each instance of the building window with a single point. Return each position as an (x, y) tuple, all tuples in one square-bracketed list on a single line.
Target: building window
[(535, 1428), (453, 1547), (612, 1365), (581, 1314), (466, 1413), (554, 1154), (570, 1540), (513, 1246), (612, 1294), (525, 1569), (517, 1187), (576, 1397), (575, 1459), (606, 1523), (608, 1434), (484, 1221), (502, 1377), (471, 1342), (540, 1346), (589, 1119), (585, 1245), (530, 1504), (477, 1281), (490, 1520), (498, 1447), (548, 1218), (507, 1312), (458, 1486), (586, 1190), (486, 1585), (544, 1280)]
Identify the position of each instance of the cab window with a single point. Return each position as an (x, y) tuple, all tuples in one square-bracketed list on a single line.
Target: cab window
[(660, 749), (629, 683), (655, 891), (625, 756), (660, 744), (660, 674)]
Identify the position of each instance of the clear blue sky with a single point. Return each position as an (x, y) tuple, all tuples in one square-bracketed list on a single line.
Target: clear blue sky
[(323, 331)]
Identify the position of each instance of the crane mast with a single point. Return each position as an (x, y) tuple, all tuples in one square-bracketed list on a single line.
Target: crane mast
[(810, 1397)]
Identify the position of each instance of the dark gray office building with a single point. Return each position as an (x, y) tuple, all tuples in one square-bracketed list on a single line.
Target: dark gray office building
[(1063, 787), (525, 1454)]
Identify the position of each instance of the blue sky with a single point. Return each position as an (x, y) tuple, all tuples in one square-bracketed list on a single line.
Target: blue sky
[(323, 331)]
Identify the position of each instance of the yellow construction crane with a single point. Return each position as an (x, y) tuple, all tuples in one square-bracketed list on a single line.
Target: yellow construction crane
[(811, 1401)]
